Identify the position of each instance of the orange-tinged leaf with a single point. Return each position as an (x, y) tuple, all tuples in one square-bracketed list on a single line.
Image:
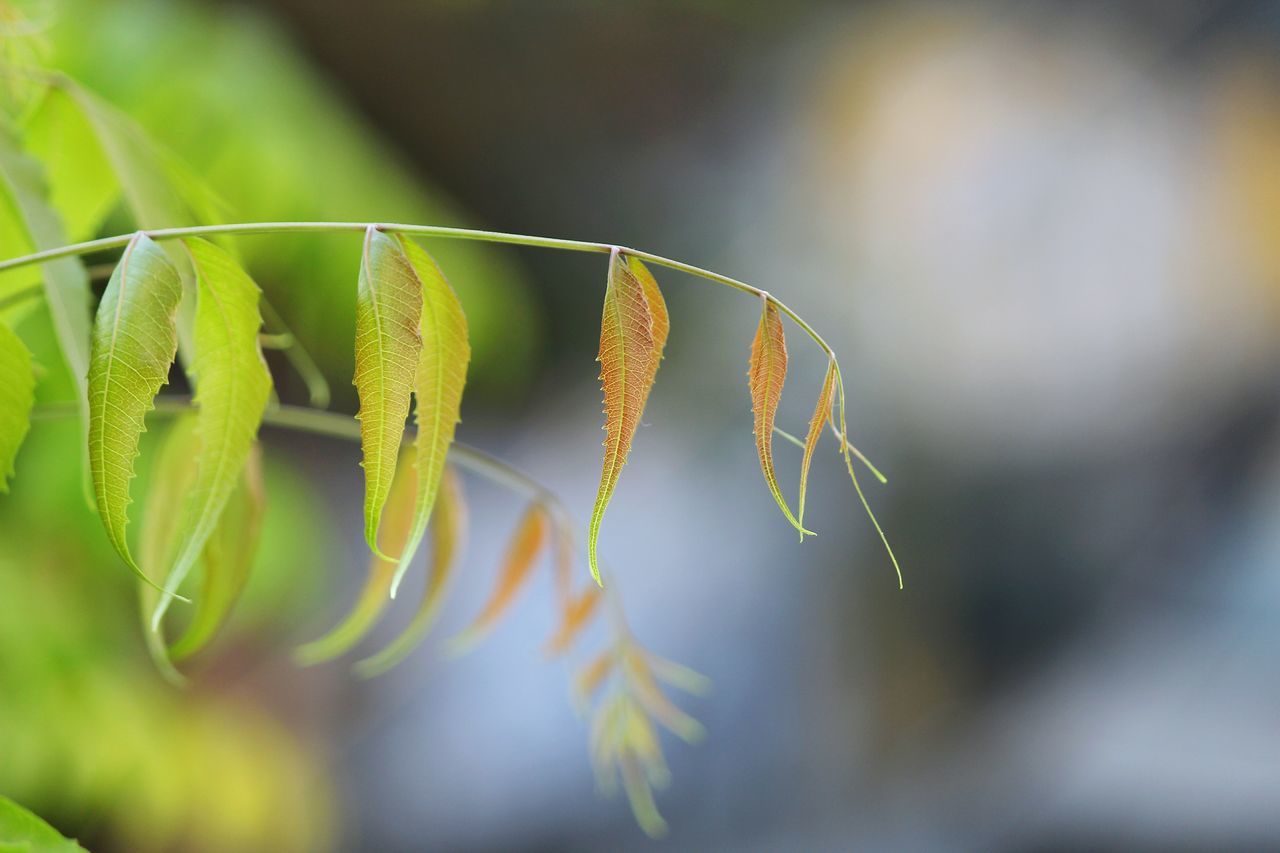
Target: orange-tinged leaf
[(388, 345), (562, 553), (522, 554), (592, 676), (767, 372), (448, 531), (633, 330), (397, 524), (821, 414), (577, 615)]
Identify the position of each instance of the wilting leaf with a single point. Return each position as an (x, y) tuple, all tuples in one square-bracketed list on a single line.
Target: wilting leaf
[(66, 284), (232, 388), (517, 565), (633, 331), (228, 556), (388, 344), (17, 395), (82, 182), (577, 615), (23, 832), (134, 341), (768, 371), (448, 531), (373, 597), (437, 390), (821, 414)]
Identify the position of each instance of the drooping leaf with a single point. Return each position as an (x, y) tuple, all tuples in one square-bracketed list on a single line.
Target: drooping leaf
[(448, 532), (593, 675), (134, 342), (517, 565), (767, 372), (437, 390), (83, 185), (23, 832), (227, 559), (232, 388), (677, 675), (821, 414), (655, 702), (633, 331), (398, 523), (17, 395), (576, 616), (388, 346), (66, 284)]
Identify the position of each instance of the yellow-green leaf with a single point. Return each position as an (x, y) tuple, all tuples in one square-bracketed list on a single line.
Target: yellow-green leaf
[(373, 597), (133, 344), (821, 414), (767, 372), (448, 531), (633, 331), (388, 344), (227, 559), (17, 395), (437, 390), (83, 184), (232, 388), (517, 565)]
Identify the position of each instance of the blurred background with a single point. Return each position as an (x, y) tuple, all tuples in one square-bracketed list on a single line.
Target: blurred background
[(1044, 239)]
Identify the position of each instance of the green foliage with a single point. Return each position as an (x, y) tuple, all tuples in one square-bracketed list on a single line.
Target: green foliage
[(134, 342), (23, 832), (17, 395)]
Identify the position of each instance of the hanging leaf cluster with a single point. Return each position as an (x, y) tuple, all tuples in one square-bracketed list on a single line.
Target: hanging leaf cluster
[(176, 301)]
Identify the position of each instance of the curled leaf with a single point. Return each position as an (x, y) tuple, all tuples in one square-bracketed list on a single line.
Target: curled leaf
[(398, 522), (388, 344), (821, 414), (440, 377), (17, 396), (577, 615), (633, 332), (232, 388), (517, 565), (134, 341), (767, 373), (448, 531)]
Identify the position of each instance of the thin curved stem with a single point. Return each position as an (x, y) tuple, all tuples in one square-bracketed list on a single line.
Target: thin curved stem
[(443, 232)]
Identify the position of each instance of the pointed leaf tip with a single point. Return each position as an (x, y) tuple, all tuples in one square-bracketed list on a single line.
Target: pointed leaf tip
[(388, 346), (633, 333), (767, 372), (821, 414)]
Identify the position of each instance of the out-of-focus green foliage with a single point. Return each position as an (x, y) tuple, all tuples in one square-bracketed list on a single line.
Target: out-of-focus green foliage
[(23, 832), (256, 123), (89, 734)]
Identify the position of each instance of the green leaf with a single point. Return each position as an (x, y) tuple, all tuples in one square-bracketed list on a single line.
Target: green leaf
[(633, 332), (232, 388), (388, 345), (17, 395), (134, 342), (23, 832), (441, 376), (227, 559), (66, 284)]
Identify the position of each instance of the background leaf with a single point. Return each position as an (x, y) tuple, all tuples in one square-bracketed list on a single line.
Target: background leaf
[(629, 355), (17, 395), (134, 342), (441, 376), (767, 372), (232, 387), (23, 832), (388, 344)]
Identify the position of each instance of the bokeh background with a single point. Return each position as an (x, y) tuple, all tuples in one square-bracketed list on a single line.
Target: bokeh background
[(1045, 240)]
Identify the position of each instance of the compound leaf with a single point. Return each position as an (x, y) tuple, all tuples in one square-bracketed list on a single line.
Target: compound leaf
[(232, 388), (134, 342), (517, 565), (437, 390), (767, 372), (633, 331), (388, 345), (448, 531), (17, 395)]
